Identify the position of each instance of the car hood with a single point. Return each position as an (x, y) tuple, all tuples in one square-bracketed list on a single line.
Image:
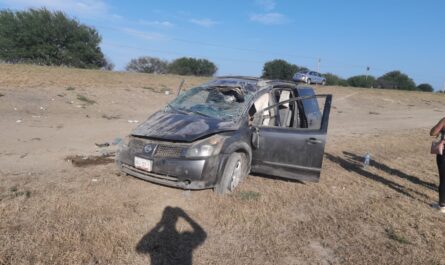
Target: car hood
[(181, 127)]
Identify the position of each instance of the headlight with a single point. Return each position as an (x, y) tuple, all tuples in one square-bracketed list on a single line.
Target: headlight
[(207, 147)]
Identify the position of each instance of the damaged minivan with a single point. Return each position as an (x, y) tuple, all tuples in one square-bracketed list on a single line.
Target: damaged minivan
[(214, 135)]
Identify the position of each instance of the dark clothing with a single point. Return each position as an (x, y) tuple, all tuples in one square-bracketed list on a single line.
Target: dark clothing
[(441, 165)]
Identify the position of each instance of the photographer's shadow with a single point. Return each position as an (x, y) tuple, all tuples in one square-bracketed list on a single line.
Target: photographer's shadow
[(166, 245)]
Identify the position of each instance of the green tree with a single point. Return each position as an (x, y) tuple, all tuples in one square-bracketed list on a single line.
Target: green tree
[(147, 64), (395, 80), (425, 87), (361, 81), (279, 69), (192, 66), (334, 80), (48, 38)]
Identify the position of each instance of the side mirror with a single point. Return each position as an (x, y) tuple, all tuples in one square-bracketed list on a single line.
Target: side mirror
[(256, 137)]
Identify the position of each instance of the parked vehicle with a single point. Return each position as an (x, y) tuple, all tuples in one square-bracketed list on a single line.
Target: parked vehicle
[(213, 135), (309, 77)]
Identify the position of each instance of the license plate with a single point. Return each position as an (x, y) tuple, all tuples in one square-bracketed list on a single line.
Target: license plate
[(142, 163)]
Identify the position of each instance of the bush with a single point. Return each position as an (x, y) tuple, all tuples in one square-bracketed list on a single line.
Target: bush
[(48, 38), (395, 80), (279, 69), (425, 87), (192, 66), (334, 80), (147, 64), (361, 81)]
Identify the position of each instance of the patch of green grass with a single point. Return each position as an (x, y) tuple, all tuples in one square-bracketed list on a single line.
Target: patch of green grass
[(396, 237), (249, 195), (70, 88), (85, 99)]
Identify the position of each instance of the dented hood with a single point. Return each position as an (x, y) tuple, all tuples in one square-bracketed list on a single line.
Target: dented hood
[(181, 127)]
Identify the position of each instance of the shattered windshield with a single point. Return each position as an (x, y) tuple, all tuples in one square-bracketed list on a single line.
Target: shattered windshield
[(226, 103)]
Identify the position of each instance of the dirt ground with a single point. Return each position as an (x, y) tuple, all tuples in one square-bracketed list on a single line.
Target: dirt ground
[(55, 212)]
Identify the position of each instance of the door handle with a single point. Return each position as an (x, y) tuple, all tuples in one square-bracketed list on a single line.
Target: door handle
[(313, 141)]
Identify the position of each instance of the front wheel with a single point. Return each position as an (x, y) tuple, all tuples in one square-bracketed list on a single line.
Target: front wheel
[(323, 83), (308, 82), (234, 172)]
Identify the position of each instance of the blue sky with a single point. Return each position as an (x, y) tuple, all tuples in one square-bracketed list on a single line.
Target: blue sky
[(239, 36)]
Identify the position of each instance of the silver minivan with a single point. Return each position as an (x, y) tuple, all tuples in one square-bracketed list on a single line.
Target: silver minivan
[(309, 77)]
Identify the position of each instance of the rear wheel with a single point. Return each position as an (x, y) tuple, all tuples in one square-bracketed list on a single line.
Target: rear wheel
[(234, 172)]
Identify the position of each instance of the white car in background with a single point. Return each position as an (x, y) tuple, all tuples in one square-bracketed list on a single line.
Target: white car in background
[(309, 77)]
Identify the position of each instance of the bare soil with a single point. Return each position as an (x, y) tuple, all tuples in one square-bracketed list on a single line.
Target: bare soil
[(54, 212)]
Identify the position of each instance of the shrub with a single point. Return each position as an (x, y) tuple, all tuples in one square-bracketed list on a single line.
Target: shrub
[(395, 80), (334, 80), (361, 81), (279, 69), (425, 87), (147, 64), (192, 66), (48, 38)]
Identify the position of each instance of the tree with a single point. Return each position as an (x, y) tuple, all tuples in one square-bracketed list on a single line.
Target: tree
[(279, 69), (425, 87), (48, 38), (192, 66), (395, 80), (361, 81), (334, 80), (147, 64)]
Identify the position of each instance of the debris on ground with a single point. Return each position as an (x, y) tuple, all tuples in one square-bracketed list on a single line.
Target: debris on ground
[(1, 95), (18, 121), (102, 144), (111, 117), (133, 121), (85, 161)]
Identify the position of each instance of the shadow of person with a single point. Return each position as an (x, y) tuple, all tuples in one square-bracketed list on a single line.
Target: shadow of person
[(166, 245)]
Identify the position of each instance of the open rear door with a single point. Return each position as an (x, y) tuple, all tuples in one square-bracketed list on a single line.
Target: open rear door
[(295, 149)]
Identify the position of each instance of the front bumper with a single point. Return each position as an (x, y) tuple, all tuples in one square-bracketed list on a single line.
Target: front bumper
[(178, 171), (164, 179)]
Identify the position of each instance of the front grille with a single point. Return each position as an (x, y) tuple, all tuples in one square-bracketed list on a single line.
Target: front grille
[(168, 151)]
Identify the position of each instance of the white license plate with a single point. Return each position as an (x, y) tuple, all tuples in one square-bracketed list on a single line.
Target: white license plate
[(142, 163)]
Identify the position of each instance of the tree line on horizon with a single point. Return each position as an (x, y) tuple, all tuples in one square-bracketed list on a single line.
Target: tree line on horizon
[(43, 37)]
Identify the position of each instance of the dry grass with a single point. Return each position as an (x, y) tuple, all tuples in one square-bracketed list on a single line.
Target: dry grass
[(54, 213)]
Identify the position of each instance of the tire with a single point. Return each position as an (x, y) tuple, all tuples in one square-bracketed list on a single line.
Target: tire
[(234, 172), (323, 83), (308, 82)]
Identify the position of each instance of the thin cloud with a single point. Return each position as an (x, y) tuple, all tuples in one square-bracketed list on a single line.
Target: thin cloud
[(166, 24), (152, 36), (205, 22), (267, 5), (270, 18)]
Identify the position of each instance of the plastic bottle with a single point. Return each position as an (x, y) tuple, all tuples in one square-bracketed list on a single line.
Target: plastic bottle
[(367, 159)]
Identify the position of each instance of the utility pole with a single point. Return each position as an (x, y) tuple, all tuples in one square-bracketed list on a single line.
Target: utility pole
[(318, 65), (367, 72)]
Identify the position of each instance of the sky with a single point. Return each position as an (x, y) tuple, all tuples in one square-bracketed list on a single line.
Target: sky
[(341, 37)]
